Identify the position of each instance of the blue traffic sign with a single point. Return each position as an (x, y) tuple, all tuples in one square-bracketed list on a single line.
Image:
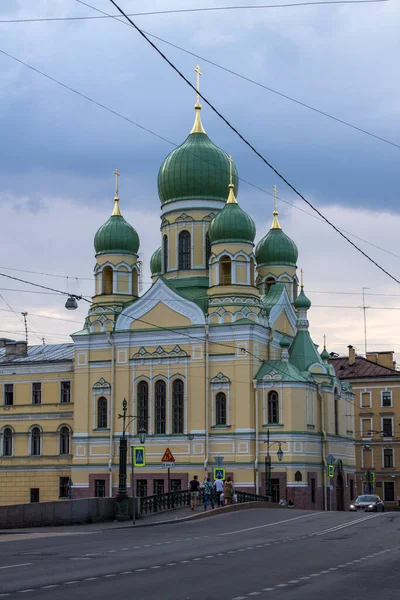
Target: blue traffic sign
[(219, 472), (139, 456)]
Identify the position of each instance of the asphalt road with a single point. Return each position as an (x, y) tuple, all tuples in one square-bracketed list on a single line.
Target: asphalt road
[(284, 554)]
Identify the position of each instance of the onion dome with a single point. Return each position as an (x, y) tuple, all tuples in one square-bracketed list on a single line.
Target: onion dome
[(232, 224), (116, 235), (285, 342), (325, 354), (302, 302), (155, 263), (196, 170), (276, 248)]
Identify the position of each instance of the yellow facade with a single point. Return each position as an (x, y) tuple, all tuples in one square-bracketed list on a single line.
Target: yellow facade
[(214, 359)]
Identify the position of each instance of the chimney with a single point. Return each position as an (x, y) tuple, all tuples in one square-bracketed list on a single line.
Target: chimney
[(16, 348), (352, 355), (385, 359), (4, 341)]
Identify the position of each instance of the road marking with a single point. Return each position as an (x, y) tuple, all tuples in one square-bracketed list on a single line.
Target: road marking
[(305, 577), (110, 575), (24, 591), (91, 578), (47, 587), (294, 581), (254, 594), (348, 524), (268, 589), (281, 585), (14, 566), (70, 582), (271, 524), (139, 570)]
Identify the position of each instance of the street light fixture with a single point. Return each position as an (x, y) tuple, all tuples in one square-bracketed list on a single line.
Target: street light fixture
[(122, 496), (268, 467)]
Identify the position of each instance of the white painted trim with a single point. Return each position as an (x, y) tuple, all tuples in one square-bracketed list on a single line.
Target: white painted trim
[(365, 391), (189, 205), (283, 304)]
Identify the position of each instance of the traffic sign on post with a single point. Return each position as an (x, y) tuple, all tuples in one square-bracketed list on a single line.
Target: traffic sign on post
[(331, 471), (139, 456), (219, 472), (168, 457)]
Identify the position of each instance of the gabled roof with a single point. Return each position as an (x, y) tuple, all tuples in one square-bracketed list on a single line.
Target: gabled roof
[(41, 354), (362, 368), (302, 351), (279, 371)]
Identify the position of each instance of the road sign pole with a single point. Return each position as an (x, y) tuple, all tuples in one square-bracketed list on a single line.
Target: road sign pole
[(169, 486), (133, 489)]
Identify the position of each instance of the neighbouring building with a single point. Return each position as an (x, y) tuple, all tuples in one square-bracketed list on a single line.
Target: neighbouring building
[(216, 354), (376, 385)]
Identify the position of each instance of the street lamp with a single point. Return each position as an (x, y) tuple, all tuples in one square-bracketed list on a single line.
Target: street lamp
[(122, 496), (268, 483)]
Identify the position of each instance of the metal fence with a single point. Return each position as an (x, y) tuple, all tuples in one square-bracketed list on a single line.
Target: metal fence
[(179, 499)]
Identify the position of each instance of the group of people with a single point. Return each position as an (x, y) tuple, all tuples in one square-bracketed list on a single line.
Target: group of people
[(282, 502), (223, 491)]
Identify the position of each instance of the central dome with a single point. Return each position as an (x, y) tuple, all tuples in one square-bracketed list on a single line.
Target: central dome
[(196, 170)]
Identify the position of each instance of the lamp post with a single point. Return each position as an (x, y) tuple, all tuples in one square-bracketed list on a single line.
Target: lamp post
[(122, 496), (268, 482)]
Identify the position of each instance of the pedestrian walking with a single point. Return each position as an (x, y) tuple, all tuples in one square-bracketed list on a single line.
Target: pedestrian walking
[(228, 491), (194, 485), (219, 488), (208, 493)]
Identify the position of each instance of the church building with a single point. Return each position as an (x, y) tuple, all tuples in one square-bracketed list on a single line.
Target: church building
[(215, 359)]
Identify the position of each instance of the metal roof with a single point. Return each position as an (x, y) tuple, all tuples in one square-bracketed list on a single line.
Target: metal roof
[(40, 354), (362, 368)]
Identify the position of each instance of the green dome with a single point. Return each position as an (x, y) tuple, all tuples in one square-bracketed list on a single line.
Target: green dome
[(302, 301), (196, 170), (155, 262), (285, 342), (325, 354), (232, 224), (276, 248), (116, 235)]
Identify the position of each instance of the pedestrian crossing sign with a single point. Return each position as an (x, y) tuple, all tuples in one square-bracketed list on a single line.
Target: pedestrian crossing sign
[(331, 471), (139, 456), (219, 472)]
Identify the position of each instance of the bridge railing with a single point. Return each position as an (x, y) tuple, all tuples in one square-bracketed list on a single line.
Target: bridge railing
[(178, 499)]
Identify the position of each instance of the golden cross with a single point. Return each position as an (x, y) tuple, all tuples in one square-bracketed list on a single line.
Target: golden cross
[(275, 191), (301, 278), (324, 341), (230, 170), (198, 73), (116, 173)]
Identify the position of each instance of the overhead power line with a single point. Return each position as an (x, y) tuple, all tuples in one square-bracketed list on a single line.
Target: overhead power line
[(125, 118), (256, 152), (194, 10), (248, 79)]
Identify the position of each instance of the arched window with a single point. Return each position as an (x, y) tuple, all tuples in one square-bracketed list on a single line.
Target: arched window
[(220, 406), (298, 476), (64, 440), (208, 249), (269, 282), (102, 417), (108, 275), (251, 271), (225, 270), (165, 253), (160, 407), (8, 442), (36, 442), (177, 406), (184, 250), (273, 407), (143, 405)]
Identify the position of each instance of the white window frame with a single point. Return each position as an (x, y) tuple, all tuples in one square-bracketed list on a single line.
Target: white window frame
[(69, 440), (387, 436), (369, 435), (32, 392), (365, 391), (386, 391), (383, 458), (30, 440), (2, 441), (70, 390)]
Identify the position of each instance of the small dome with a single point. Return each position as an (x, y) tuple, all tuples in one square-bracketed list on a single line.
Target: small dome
[(302, 301), (232, 224), (285, 342), (276, 248), (325, 354), (155, 263), (116, 235), (196, 170)]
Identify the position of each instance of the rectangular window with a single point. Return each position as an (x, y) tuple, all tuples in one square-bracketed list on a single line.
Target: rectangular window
[(388, 491), (176, 485), (366, 427), (65, 392), (100, 488), (387, 398), (34, 495), (366, 400), (141, 488), (336, 417), (313, 494), (387, 427), (9, 394), (388, 461), (63, 487), (36, 392), (158, 486)]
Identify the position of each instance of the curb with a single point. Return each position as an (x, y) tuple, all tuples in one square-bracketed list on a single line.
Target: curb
[(203, 515)]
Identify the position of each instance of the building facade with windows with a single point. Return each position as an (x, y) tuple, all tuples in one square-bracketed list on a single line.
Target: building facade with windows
[(376, 385), (215, 356)]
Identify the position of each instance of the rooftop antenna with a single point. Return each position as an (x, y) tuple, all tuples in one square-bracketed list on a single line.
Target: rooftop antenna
[(365, 319), (25, 314)]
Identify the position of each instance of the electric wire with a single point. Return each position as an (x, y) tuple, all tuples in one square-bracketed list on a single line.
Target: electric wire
[(252, 148), (125, 118)]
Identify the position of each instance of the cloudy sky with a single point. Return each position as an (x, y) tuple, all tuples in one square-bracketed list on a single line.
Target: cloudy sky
[(58, 151)]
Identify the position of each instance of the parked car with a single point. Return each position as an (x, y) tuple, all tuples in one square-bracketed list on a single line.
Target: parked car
[(368, 503)]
